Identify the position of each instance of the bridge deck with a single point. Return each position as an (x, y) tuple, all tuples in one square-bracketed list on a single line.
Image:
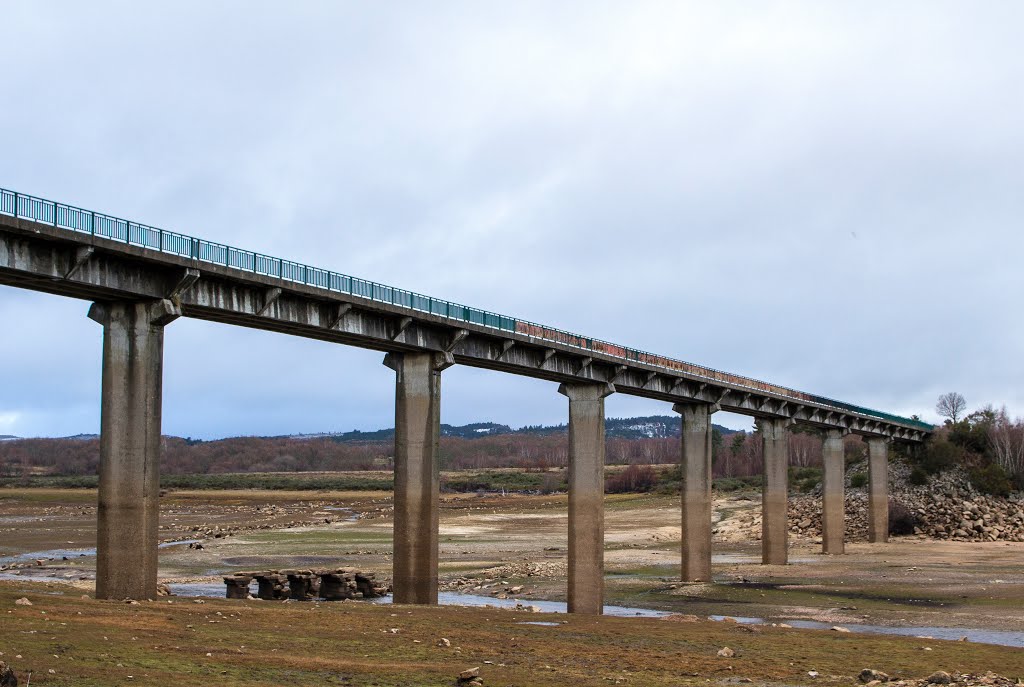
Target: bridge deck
[(49, 246)]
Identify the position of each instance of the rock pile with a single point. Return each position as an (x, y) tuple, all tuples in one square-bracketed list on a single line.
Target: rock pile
[(874, 678), (948, 507), (305, 585), (494, 580)]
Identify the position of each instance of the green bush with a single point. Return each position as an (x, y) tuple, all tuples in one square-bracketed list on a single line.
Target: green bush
[(902, 520), (807, 485), (939, 455), (797, 474), (737, 483), (991, 479), (858, 479), (918, 476)]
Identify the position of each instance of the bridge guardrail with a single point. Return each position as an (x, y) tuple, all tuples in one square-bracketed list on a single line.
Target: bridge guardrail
[(82, 221)]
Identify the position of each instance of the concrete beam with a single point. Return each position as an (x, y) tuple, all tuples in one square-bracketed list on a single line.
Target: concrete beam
[(833, 505), (775, 493), (417, 474), (878, 490), (37, 256), (130, 416), (586, 495), (696, 491)]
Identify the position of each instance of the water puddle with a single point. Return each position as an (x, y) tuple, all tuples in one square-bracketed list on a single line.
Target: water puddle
[(539, 622), (352, 515), (1000, 637), (216, 590)]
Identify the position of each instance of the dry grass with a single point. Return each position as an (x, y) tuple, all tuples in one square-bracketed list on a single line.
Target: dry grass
[(88, 642)]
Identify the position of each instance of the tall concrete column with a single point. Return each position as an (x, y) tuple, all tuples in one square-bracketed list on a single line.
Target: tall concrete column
[(775, 492), (696, 490), (417, 474), (878, 490), (833, 506), (586, 495), (129, 489)]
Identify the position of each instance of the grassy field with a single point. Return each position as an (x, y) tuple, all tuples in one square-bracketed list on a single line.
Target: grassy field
[(246, 643)]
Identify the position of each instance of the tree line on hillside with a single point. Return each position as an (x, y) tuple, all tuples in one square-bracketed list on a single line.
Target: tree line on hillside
[(735, 455), (987, 442)]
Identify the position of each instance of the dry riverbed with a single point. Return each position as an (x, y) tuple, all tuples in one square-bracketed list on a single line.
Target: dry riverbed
[(513, 548)]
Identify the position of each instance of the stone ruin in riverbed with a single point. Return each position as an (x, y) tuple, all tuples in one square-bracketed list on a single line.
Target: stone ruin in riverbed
[(305, 585)]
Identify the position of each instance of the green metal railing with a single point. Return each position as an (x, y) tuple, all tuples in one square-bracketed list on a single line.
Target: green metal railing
[(80, 221)]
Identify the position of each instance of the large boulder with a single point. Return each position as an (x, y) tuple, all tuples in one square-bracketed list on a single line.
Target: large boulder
[(7, 676)]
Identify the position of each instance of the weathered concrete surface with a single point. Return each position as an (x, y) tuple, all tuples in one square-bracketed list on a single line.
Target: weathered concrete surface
[(696, 491), (878, 490), (586, 495), (417, 473), (833, 516), (775, 493), (129, 488)]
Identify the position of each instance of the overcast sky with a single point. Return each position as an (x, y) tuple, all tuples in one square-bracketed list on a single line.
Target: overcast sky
[(822, 195)]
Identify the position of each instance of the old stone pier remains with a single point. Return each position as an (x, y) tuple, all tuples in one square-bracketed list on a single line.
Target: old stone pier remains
[(341, 584)]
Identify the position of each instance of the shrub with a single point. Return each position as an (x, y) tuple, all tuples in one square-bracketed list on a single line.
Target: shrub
[(633, 479), (736, 483), (991, 479), (918, 476), (939, 455), (858, 479), (807, 485), (902, 520)]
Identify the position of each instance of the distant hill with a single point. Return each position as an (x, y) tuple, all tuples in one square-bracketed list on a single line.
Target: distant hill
[(652, 439), (650, 427), (7, 437)]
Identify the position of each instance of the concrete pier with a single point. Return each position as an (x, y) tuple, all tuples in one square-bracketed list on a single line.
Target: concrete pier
[(833, 506), (586, 495), (775, 493), (878, 490), (417, 473), (696, 491), (129, 487)]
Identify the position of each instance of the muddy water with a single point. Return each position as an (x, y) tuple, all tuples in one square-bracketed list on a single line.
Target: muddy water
[(1001, 637)]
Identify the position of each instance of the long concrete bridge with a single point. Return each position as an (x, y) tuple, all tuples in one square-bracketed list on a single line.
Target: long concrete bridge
[(140, 279)]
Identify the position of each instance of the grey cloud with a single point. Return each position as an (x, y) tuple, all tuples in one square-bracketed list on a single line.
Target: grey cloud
[(819, 195)]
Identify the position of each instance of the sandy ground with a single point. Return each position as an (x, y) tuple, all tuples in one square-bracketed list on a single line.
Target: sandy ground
[(492, 543)]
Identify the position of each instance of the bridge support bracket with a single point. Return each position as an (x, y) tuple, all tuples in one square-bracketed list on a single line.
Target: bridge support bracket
[(82, 255), (270, 297)]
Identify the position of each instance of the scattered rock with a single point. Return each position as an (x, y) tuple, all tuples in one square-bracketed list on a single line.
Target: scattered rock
[(836, 628), (470, 678), (870, 675), (939, 677), (23, 602), (726, 652), (445, 642)]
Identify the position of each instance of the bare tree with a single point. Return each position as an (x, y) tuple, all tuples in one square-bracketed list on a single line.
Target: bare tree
[(1006, 438), (951, 405)]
